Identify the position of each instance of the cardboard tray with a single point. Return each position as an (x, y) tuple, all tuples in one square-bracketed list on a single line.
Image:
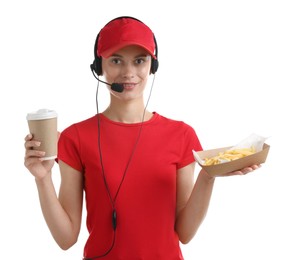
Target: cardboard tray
[(226, 167)]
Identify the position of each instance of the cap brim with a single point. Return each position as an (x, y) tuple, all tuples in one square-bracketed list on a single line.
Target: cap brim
[(107, 53)]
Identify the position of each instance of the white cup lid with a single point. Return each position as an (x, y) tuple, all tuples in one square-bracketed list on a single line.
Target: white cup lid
[(41, 114)]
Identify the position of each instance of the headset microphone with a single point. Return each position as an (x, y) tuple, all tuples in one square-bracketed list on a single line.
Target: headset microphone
[(114, 86)]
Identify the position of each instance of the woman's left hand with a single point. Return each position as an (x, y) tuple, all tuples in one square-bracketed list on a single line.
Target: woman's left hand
[(243, 171)]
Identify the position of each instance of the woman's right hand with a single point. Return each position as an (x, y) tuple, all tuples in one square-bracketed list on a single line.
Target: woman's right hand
[(39, 168)]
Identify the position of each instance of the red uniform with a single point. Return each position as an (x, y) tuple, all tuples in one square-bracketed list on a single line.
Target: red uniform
[(146, 202)]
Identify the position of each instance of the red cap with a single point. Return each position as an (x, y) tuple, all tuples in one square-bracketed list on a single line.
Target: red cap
[(122, 32)]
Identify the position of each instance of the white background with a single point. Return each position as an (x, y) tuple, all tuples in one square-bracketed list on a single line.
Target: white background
[(223, 70)]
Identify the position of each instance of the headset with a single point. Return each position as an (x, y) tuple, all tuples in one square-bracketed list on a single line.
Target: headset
[(96, 66)]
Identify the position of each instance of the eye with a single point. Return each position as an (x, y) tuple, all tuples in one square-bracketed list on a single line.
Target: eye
[(141, 60), (115, 60)]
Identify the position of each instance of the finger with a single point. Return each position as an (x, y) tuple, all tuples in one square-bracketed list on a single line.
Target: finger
[(255, 167), (235, 173), (33, 154), (28, 137), (240, 172), (32, 144), (250, 169)]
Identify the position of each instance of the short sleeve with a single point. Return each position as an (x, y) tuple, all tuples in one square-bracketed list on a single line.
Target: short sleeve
[(69, 148), (190, 142)]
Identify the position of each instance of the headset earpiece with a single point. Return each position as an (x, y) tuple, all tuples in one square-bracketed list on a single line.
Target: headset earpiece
[(154, 65), (155, 62), (96, 66)]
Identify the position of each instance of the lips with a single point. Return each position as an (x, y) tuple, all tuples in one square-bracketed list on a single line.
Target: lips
[(129, 85)]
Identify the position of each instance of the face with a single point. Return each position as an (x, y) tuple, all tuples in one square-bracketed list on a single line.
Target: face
[(129, 66)]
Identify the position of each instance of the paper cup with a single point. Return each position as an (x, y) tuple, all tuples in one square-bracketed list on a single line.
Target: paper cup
[(43, 126)]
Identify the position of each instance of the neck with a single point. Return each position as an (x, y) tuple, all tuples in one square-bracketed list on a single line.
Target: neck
[(127, 113)]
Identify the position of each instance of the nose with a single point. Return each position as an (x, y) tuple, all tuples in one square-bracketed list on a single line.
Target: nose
[(128, 70)]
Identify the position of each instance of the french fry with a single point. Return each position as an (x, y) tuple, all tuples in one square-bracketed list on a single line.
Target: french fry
[(229, 155)]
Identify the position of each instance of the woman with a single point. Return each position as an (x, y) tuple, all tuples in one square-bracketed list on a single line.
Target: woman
[(136, 167)]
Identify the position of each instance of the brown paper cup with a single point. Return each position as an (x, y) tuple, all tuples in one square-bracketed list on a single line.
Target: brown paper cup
[(43, 126)]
